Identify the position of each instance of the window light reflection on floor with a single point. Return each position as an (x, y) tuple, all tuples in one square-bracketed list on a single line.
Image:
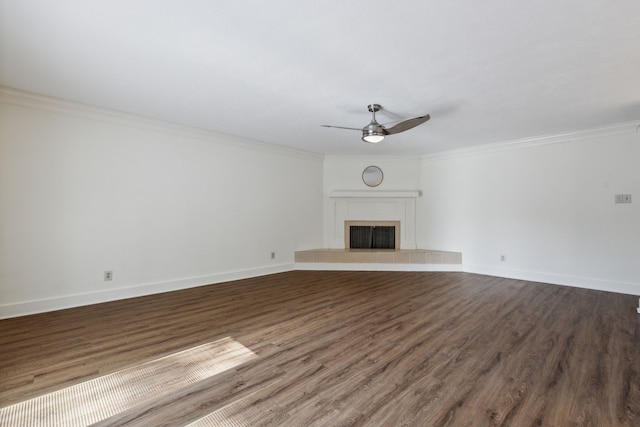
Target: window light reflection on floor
[(103, 397)]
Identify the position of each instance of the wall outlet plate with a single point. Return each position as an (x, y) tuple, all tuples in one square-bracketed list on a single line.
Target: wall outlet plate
[(623, 198)]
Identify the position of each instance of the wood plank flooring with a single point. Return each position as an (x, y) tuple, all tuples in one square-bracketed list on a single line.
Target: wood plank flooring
[(354, 348)]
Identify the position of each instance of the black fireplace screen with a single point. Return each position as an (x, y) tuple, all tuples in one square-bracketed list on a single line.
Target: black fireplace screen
[(372, 237)]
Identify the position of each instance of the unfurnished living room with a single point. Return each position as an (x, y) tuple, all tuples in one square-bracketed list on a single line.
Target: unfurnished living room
[(357, 213)]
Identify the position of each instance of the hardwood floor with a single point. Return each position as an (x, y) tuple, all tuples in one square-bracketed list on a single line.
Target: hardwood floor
[(354, 348)]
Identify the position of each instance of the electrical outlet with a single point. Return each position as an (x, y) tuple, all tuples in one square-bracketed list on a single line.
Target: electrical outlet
[(503, 258), (623, 198), (273, 255), (108, 276)]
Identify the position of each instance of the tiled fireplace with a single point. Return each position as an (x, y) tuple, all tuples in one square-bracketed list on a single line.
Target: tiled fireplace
[(374, 208)]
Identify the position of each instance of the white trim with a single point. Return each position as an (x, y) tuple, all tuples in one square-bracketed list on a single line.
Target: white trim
[(372, 159), (69, 301), (375, 194), (371, 206), (354, 266), (41, 102), (605, 131), (556, 279), (33, 100)]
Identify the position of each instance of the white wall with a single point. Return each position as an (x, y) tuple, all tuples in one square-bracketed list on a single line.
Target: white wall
[(345, 173), (547, 205), (84, 190)]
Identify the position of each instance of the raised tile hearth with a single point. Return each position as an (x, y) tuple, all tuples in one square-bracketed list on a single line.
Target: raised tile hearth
[(379, 256)]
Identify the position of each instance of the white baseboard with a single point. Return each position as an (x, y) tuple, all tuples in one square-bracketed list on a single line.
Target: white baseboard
[(353, 266), (557, 279), (69, 301)]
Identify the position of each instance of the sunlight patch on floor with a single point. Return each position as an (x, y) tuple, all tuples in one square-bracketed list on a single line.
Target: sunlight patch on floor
[(235, 414), (103, 397)]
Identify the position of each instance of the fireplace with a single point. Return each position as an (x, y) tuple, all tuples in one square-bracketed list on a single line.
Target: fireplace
[(369, 208), (372, 234)]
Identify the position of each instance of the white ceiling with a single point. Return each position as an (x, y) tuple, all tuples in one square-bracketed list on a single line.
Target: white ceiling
[(273, 71)]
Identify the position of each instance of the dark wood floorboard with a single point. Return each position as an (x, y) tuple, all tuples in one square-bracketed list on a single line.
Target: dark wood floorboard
[(355, 348)]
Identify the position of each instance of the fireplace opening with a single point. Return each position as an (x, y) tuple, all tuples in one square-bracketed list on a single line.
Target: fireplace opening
[(372, 237), (375, 235)]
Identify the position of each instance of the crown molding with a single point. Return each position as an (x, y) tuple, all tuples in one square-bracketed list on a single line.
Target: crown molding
[(605, 131), (372, 159), (60, 106), (46, 103)]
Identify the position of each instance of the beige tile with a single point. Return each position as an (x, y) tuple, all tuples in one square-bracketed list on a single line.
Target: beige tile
[(452, 258), (362, 256), (323, 256), (369, 257), (418, 257), (434, 257), (338, 256), (405, 256), (304, 256), (386, 257), (351, 256), (402, 257)]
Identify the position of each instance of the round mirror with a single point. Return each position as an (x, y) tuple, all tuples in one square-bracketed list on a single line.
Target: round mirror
[(372, 176)]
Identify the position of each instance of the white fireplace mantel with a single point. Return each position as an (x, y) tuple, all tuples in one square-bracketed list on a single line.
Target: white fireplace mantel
[(374, 193), (372, 205)]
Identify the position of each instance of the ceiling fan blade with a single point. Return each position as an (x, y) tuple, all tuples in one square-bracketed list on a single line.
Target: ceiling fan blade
[(407, 124), (340, 127)]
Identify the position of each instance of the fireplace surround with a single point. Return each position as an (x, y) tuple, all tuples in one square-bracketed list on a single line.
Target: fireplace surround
[(344, 208), (371, 206)]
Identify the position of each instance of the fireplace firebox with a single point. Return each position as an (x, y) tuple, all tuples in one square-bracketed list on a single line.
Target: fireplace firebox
[(372, 237), (372, 234)]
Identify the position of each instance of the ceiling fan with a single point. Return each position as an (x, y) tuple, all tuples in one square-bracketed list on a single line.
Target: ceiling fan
[(375, 132)]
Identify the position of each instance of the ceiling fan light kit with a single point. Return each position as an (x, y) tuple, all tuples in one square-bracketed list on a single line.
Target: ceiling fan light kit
[(372, 137), (374, 132)]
